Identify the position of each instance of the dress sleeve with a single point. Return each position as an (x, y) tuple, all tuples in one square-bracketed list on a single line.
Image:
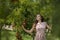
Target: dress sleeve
[(45, 23)]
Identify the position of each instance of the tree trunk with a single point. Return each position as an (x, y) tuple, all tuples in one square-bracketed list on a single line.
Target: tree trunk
[(18, 36)]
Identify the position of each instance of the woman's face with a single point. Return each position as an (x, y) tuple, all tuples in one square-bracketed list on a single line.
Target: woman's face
[(38, 17)]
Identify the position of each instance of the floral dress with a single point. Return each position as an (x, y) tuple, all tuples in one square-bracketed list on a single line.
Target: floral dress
[(40, 31)]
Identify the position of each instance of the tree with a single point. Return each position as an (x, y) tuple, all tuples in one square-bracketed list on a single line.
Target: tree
[(15, 11)]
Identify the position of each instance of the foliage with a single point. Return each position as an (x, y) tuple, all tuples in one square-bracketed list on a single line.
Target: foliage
[(15, 11)]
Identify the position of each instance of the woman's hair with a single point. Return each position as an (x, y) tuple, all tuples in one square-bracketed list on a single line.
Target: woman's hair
[(42, 19)]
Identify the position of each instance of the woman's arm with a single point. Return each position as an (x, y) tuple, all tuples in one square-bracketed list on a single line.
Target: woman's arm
[(29, 31), (48, 27)]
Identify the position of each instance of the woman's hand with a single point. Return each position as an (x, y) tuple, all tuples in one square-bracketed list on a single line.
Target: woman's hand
[(24, 23)]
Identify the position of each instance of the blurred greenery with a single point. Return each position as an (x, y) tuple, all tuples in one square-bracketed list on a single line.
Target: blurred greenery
[(15, 11)]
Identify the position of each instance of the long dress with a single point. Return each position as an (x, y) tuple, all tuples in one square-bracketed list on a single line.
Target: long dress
[(40, 31)]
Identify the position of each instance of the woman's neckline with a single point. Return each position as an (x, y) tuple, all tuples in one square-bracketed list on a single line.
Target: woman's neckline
[(39, 22)]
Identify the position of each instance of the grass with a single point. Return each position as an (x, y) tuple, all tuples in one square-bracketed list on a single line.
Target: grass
[(11, 35)]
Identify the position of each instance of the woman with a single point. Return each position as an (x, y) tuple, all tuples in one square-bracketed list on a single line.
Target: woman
[(40, 27)]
